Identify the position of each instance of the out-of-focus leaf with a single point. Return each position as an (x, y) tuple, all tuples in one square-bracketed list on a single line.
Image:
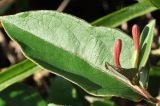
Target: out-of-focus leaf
[(155, 71), (21, 95), (154, 85), (154, 79), (63, 93), (16, 73), (72, 49), (125, 14)]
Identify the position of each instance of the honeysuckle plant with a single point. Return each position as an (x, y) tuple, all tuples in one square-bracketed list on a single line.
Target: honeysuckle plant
[(129, 76), (103, 61)]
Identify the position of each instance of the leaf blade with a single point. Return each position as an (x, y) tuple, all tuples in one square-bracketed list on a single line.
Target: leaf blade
[(21, 95), (82, 67), (146, 40)]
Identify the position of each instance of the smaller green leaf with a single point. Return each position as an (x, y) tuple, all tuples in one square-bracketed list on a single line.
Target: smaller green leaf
[(156, 3), (144, 76), (155, 71), (17, 73), (153, 85), (21, 95), (146, 39), (59, 87)]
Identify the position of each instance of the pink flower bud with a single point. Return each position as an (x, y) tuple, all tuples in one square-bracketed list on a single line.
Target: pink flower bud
[(135, 34), (117, 51)]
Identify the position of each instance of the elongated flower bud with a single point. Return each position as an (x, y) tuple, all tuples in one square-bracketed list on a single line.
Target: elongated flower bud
[(117, 51), (135, 34)]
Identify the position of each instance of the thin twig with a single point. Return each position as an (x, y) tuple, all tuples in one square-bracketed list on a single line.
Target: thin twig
[(63, 5)]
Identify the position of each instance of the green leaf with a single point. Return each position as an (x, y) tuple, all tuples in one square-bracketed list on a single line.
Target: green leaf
[(16, 73), (125, 14), (154, 86), (156, 3), (21, 95), (146, 40), (73, 49), (59, 87), (144, 76)]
